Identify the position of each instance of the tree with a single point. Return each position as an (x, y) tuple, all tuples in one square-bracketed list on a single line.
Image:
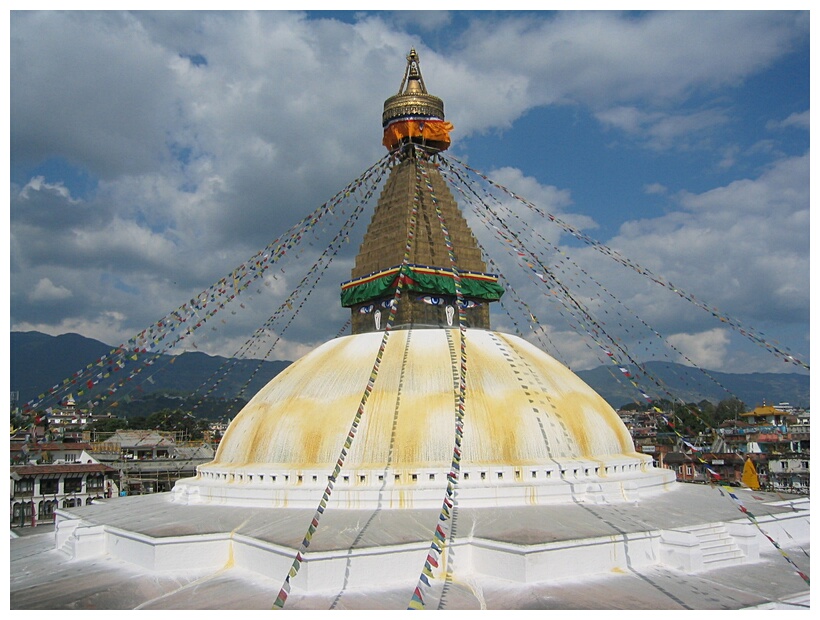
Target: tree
[(707, 410), (108, 425), (729, 409), (632, 407), (177, 420)]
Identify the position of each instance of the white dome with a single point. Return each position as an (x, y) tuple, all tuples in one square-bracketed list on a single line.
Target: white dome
[(533, 431)]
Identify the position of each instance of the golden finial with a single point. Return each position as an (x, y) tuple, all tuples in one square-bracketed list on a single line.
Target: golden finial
[(413, 113), (412, 98)]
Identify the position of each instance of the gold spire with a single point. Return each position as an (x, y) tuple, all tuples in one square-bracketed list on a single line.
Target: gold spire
[(412, 100), (414, 128)]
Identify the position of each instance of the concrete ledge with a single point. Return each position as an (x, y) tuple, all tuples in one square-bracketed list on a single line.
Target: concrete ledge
[(565, 559), (352, 568), (511, 486), (681, 550)]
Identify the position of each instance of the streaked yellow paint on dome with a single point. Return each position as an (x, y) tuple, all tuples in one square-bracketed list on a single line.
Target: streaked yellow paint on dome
[(302, 417)]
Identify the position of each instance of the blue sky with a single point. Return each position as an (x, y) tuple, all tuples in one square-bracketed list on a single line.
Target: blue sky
[(152, 152)]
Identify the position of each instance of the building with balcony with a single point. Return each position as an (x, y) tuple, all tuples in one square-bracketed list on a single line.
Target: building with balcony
[(38, 490)]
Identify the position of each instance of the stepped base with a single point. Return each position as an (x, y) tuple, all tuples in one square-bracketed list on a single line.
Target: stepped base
[(525, 545)]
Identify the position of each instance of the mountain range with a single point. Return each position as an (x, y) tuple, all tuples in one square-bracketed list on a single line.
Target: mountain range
[(39, 361)]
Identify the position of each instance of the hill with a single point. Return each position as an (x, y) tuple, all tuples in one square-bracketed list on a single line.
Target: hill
[(39, 361), (693, 385)]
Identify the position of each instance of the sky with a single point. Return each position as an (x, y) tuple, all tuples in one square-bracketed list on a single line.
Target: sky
[(153, 152)]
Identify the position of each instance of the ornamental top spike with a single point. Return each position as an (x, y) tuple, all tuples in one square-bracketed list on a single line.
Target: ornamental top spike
[(412, 75), (413, 114)]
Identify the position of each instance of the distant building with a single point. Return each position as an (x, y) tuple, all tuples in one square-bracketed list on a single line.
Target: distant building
[(68, 421), (776, 437), (789, 474), (150, 461), (38, 490), (50, 453)]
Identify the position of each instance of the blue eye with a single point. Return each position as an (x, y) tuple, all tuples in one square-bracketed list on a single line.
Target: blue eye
[(469, 303), (366, 309), (433, 301), (387, 303)]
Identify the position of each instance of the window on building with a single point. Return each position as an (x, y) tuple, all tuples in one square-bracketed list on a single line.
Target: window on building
[(24, 486), (70, 458), (49, 486), (73, 485), (95, 482), (45, 509)]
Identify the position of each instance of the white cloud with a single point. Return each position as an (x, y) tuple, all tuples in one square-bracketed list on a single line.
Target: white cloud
[(46, 290), (39, 184), (426, 20), (799, 120), (661, 130), (208, 134), (106, 329), (600, 57), (744, 247), (706, 349)]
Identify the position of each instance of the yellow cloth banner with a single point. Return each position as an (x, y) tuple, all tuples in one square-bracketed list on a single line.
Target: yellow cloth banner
[(749, 477)]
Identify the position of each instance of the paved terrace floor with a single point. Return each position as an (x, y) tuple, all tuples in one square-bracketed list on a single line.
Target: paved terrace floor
[(45, 578)]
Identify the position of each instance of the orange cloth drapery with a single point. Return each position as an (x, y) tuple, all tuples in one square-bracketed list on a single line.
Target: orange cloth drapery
[(433, 131)]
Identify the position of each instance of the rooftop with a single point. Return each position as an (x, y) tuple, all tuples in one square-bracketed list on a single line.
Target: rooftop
[(242, 579)]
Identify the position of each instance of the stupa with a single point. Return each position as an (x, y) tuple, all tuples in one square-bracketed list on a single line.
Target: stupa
[(532, 432), (424, 450)]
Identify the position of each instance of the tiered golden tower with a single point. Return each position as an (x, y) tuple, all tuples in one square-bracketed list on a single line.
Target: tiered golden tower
[(415, 130)]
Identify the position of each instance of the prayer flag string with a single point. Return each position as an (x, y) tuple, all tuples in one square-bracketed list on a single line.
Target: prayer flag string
[(755, 522), (459, 366), (313, 278), (186, 319), (533, 262), (616, 256), (404, 274)]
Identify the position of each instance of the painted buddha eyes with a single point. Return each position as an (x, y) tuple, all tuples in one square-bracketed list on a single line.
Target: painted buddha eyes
[(441, 301), (433, 301)]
